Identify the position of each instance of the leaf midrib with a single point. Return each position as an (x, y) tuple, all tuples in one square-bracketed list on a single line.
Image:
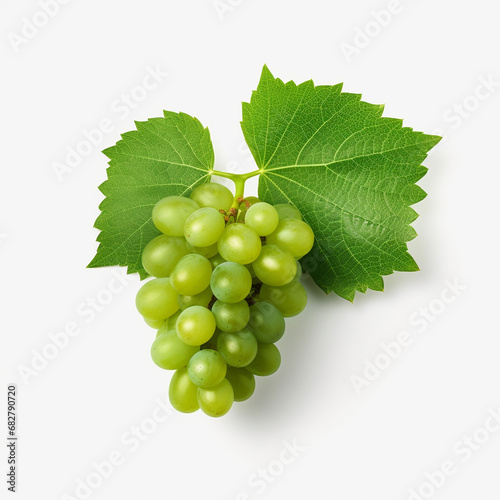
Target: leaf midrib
[(304, 165), (164, 161)]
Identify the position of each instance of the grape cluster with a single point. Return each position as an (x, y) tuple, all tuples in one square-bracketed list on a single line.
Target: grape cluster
[(226, 274)]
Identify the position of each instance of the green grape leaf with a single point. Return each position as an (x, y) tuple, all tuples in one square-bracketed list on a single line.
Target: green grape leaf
[(163, 157), (350, 172)]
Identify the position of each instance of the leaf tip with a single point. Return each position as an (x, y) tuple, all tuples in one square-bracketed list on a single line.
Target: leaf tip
[(107, 151), (434, 139), (94, 262), (266, 72)]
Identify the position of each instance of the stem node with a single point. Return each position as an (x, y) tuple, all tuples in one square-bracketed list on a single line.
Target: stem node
[(239, 183)]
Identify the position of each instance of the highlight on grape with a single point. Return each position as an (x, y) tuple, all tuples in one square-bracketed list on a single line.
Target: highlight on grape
[(225, 273)]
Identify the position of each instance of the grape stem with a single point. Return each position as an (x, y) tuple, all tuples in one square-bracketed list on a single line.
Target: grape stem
[(239, 183)]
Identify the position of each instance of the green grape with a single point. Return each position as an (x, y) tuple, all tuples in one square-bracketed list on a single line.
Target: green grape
[(231, 317), (200, 299), (216, 401), (162, 253), (298, 274), (216, 260), (183, 394), (262, 218), (170, 214), (242, 381), (266, 322), (293, 235), (163, 329), (245, 204), (157, 299), (195, 325), (239, 348), (213, 195), (207, 252), (287, 212), (239, 243), (172, 320), (275, 266), (170, 352), (204, 227), (154, 323), (290, 299), (266, 362), (207, 368), (231, 282), (191, 275)]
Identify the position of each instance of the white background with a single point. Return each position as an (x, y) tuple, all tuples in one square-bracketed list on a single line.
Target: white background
[(375, 443)]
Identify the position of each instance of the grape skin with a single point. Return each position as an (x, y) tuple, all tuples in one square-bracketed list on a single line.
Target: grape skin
[(275, 266), (154, 323), (266, 362), (182, 393), (231, 282), (231, 317), (267, 322), (216, 401), (212, 195), (216, 260), (242, 381), (298, 274), (245, 204), (170, 352), (172, 320), (287, 212), (262, 218), (293, 235), (162, 253), (290, 299), (157, 299), (170, 214), (204, 227), (206, 368), (195, 325), (207, 252), (238, 349), (200, 299), (191, 275), (239, 243)]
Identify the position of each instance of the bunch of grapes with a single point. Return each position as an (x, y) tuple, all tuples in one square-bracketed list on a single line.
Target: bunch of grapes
[(226, 274)]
